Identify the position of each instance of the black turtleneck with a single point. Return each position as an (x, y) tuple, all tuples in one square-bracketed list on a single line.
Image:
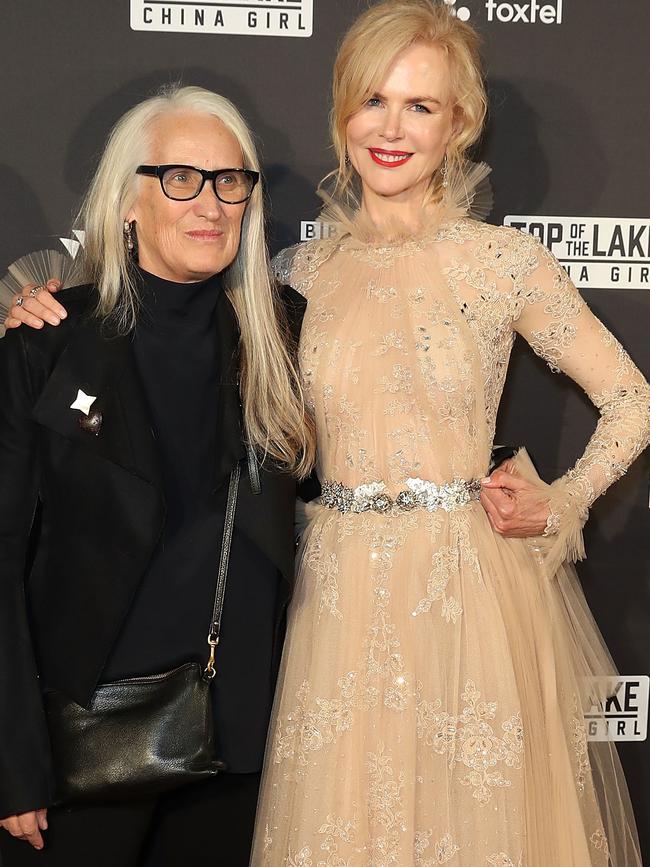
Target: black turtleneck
[(176, 355), (180, 362)]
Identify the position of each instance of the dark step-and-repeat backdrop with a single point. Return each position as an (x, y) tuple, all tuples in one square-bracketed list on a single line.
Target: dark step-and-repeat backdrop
[(567, 140)]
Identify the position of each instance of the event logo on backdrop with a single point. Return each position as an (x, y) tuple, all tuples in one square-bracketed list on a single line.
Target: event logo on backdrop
[(532, 12), (597, 252), (315, 230), (235, 17), (619, 709)]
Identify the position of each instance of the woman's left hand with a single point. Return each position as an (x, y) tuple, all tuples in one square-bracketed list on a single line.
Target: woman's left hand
[(513, 504)]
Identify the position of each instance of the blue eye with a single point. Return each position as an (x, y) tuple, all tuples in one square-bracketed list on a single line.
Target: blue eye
[(373, 102), (420, 109)]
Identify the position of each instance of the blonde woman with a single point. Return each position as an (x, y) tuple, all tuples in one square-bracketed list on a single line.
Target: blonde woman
[(124, 424), (439, 651)]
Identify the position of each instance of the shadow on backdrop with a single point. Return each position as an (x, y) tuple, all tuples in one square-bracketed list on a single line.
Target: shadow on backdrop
[(520, 161), (288, 190), (24, 225)]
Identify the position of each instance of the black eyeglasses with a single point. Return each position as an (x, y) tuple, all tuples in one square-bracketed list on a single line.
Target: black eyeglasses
[(181, 183)]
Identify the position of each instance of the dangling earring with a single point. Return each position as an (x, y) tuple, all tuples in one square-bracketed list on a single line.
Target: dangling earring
[(348, 162), (128, 236), (444, 173)]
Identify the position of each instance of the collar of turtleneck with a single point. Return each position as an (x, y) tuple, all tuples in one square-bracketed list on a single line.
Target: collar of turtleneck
[(186, 353), (177, 309)]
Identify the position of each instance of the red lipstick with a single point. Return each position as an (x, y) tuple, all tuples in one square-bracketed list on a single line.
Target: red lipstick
[(389, 159)]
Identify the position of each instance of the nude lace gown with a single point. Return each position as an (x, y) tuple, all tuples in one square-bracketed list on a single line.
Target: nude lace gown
[(430, 703)]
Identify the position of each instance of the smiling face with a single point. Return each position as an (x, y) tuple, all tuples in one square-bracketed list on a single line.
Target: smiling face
[(397, 140), (187, 241)]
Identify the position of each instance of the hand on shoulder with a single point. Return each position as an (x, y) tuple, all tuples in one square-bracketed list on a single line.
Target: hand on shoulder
[(36, 306)]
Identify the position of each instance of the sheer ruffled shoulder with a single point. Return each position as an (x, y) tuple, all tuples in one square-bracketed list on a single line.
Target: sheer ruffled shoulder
[(469, 196)]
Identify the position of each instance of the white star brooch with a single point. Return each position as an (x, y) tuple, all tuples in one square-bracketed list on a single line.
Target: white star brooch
[(83, 402), (90, 422)]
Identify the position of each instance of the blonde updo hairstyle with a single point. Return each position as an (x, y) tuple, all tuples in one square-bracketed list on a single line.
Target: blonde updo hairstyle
[(365, 56)]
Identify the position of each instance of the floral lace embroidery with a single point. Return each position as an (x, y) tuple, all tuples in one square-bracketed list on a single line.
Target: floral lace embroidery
[(579, 742), (337, 831), (304, 260), (469, 739), (400, 381), (383, 294), (443, 851), (509, 254), (317, 721), (383, 659), (392, 341), (488, 309), (446, 561), (305, 730), (386, 819), (500, 859), (300, 859), (384, 808), (599, 842), (622, 433), (325, 567), (564, 304), (550, 342), (381, 256)]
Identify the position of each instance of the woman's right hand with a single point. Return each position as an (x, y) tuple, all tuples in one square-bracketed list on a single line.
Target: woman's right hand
[(27, 826), (36, 311)]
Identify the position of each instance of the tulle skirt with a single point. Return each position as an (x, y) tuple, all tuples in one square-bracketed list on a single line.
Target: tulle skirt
[(430, 705)]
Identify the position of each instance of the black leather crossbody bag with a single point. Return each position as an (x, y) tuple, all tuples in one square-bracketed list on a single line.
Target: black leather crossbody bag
[(143, 735)]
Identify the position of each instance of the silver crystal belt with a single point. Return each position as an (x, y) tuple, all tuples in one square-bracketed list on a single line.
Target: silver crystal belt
[(419, 494)]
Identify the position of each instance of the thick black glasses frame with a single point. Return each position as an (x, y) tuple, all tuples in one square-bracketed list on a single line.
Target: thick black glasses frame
[(159, 171)]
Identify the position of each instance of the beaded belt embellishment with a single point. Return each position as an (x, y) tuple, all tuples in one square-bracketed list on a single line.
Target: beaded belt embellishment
[(373, 496)]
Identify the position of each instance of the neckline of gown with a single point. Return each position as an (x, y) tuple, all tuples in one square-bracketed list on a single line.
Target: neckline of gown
[(469, 196)]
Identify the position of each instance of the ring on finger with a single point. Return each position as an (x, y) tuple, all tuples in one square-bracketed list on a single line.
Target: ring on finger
[(20, 301), (33, 292)]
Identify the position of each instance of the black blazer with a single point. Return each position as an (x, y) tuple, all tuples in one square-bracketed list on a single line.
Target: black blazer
[(102, 512)]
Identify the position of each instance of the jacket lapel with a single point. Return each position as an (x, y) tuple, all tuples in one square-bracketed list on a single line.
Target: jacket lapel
[(102, 365)]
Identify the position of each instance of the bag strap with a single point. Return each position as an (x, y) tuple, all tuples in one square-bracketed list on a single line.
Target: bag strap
[(215, 624), (253, 470)]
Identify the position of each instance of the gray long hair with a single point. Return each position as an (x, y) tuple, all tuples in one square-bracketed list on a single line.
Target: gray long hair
[(275, 418)]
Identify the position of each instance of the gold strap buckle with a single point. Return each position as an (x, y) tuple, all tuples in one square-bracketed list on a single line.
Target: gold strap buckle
[(210, 671)]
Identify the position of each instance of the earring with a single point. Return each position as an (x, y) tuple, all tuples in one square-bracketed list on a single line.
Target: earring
[(128, 236), (347, 159), (444, 172)]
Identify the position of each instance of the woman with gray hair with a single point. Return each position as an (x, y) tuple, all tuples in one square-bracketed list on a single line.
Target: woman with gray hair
[(122, 431)]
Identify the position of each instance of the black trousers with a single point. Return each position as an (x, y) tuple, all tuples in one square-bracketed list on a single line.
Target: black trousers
[(209, 823)]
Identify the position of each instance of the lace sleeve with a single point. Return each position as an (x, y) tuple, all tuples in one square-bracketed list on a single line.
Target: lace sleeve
[(282, 266), (299, 266), (561, 329)]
